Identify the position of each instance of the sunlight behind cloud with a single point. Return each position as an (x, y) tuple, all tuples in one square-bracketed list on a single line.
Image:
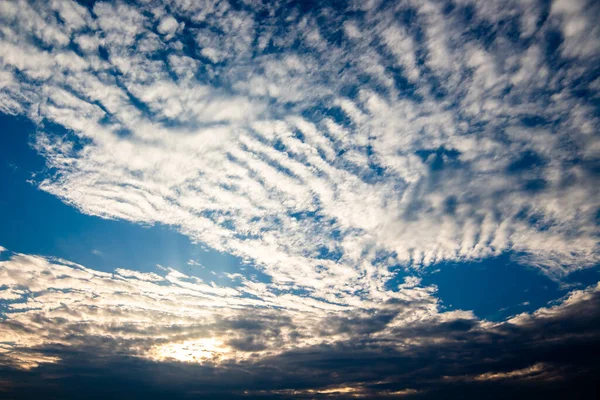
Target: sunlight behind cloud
[(197, 351)]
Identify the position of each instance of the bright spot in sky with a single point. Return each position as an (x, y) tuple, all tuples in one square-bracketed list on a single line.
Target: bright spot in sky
[(192, 351)]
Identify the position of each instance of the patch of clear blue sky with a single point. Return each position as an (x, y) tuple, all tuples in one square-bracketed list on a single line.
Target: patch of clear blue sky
[(497, 287), (35, 222)]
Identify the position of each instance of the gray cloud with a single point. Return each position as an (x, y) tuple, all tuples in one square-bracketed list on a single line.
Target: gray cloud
[(81, 343), (170, 315)]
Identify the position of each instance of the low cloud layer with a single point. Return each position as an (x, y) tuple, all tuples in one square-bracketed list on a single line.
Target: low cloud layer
[(69, 327), (163, 316)]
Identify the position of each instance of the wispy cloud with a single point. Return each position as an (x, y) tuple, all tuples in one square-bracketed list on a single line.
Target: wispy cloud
[(322, 155)]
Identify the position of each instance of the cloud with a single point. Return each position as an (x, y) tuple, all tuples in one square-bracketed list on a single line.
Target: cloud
[(323, 161), (72, 326), (324, 146), (168, 315), (66, 318), (168, 26), (519, 373)]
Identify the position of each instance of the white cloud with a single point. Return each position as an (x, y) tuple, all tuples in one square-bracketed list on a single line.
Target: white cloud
[(249, 153), (168, 26), (576, 21)]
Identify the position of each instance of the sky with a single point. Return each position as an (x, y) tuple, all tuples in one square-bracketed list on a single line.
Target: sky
[(299, 199)]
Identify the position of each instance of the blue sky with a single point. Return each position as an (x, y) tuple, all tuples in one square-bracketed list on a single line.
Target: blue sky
[(218, 187)]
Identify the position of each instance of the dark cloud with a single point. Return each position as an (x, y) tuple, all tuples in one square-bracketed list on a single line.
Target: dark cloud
[(552, 353)]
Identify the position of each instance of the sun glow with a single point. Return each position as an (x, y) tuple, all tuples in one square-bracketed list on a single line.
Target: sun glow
[(191, 351)]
